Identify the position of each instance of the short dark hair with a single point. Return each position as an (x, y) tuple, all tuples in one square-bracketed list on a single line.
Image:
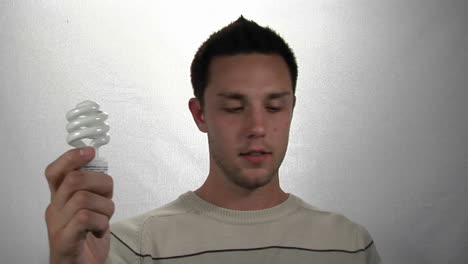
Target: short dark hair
[(239, 37)]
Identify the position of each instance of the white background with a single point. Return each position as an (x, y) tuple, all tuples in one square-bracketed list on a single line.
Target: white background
[(379, 132)]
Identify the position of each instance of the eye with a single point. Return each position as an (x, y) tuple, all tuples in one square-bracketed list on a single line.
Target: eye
[(273, 109), (233, 109)]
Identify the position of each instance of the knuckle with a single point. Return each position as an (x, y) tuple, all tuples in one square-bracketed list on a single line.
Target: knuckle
[(81, 199), (111, 208), (84, 216), (104, 224), (106, 184), (48, 212), (49, 173), (110, 183), (73, 180), (69, 155)]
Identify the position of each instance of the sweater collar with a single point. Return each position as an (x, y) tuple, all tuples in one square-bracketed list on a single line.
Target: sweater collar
[(202, 207)]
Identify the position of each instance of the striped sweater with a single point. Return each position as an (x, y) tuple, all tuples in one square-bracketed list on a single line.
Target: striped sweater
[(191, 230)]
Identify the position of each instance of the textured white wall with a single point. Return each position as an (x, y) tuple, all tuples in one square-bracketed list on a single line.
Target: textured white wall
[(379, 133)]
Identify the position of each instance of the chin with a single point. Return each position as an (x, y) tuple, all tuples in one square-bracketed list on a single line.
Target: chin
[(252, 181)]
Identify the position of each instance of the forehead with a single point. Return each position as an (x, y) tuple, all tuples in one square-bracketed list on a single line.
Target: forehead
[(249, 75)]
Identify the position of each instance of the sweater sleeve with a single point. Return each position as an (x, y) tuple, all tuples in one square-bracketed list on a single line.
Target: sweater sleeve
[(370, 250)]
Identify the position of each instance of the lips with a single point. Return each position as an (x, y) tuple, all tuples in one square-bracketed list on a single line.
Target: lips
[(254, 152), (255, 155)]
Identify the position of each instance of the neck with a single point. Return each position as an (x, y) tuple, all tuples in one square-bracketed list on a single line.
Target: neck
[(228, 195)]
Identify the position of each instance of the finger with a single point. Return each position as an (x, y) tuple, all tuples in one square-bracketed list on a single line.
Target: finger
[(89, 201), (95, 182), (84, 221), (67, 162)]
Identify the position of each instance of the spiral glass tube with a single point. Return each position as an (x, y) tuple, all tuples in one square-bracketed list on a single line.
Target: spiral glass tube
[(86, 121)]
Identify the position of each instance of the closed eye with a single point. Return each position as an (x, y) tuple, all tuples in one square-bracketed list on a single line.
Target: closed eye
[(233, 110), (273, 109)]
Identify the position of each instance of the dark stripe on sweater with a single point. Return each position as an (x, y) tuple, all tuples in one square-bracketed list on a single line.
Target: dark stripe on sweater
[(242, 249)]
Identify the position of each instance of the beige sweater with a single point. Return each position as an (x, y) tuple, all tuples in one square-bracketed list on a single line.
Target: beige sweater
[(191, 230)]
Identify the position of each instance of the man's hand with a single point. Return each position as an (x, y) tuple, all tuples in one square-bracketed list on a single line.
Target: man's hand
[(79, 211)]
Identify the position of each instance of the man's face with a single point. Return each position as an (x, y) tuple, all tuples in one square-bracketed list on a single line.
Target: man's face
[(248, 107)]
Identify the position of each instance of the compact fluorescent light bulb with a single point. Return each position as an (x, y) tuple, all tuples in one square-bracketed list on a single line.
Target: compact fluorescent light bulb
[(86, 121)]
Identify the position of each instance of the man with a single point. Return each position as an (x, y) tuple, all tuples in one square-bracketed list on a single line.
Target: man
[(244, 78)]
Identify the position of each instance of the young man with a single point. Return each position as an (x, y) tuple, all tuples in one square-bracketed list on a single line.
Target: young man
[(244, 79)]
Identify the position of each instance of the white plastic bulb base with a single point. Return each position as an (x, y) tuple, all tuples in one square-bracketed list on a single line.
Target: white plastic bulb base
[(97, 165)]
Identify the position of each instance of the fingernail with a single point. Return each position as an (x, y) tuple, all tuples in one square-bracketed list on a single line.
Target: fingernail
[(86, 152)]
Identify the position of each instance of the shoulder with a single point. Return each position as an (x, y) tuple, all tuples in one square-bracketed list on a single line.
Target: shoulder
[(334, 229)]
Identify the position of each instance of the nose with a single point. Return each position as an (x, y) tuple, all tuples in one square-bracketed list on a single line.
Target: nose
[(256, 124)]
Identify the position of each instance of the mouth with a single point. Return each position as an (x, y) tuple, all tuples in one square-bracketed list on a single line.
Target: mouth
[(255, 156)]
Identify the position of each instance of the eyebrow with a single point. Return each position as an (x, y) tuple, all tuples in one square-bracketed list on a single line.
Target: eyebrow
[(241, 97)]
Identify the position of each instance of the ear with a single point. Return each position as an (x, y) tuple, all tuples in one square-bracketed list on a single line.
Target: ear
[(197, 114)]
